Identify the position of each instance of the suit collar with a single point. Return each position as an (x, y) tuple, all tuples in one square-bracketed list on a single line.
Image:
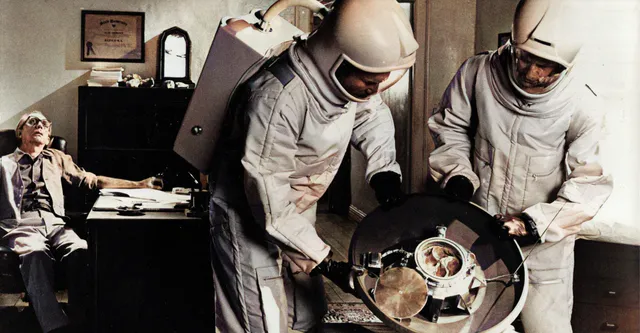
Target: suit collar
[(18, 153)]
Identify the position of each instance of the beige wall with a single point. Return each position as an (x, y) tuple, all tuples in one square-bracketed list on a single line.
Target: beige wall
[(493, 17), (451, 35), (40, 50)]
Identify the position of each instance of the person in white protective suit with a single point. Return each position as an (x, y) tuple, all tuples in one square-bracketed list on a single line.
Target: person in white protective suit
[(517, 134), (281, 148)]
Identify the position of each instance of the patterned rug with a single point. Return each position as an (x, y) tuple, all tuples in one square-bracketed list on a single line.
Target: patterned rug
[(349, 313)]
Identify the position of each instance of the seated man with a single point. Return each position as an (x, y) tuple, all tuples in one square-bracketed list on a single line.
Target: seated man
[(32, 220)]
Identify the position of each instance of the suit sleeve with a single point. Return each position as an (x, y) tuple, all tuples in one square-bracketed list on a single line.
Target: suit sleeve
[(450, 127), (272, 129), (373, 135), (75, 175), (586, 188)]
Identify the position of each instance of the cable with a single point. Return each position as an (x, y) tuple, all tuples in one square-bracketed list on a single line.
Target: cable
[(538, 241), (512, 276)]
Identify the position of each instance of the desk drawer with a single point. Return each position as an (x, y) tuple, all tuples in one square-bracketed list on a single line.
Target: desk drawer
[(604, 291), (595, 318)]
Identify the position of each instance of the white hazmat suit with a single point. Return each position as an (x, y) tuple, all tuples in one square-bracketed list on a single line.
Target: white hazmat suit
[(282, 146), (530, 150), (294, 143), (524, 153)]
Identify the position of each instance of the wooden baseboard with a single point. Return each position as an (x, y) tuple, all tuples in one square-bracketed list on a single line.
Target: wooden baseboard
[(356, 214)]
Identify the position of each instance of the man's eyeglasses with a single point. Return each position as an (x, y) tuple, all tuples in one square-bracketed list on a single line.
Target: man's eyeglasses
[(32, 122)]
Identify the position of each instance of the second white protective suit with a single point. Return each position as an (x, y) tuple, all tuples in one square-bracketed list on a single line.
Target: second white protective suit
[(282, 146), (536, 154), (282, 152)]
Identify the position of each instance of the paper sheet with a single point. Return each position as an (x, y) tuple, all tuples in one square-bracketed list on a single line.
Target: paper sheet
[(146, 195)]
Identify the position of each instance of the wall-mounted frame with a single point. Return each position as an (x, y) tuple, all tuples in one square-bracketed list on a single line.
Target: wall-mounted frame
[(503, 38), (112, 36)]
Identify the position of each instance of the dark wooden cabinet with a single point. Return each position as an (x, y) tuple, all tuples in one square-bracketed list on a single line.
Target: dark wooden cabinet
[(606, 288), (129, 132)]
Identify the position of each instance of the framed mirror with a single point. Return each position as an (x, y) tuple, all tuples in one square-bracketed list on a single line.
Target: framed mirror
[(174, 57)]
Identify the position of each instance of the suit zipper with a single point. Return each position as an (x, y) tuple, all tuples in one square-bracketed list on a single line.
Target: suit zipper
[(513, 148)]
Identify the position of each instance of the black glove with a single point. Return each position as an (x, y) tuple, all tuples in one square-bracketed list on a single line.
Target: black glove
[(459, 187), (388, 188), (338, 272), (521, 228)]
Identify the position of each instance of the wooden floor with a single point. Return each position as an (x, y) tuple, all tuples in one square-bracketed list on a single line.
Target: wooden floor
[(17, 317), (336, 231)]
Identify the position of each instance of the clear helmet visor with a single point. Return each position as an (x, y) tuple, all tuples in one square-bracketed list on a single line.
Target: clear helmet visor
[(359, 83), (533, 74)]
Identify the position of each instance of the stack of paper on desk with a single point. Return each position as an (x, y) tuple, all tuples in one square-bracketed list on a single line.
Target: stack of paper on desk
[(148, 198)]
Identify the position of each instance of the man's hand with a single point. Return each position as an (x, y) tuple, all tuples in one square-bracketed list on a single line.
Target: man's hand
[(339, 272), (459, 187), (388, 188), (522, 228), (151, 182)]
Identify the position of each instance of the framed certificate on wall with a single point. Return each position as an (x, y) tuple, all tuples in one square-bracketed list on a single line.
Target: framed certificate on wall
[(112, 36)]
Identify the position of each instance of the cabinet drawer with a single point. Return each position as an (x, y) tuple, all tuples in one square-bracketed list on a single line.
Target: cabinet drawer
[(604, 291), (612, 268), (596, 318), (606, 260), (603, 251)]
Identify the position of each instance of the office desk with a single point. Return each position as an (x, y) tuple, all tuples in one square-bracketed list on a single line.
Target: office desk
[(151, 273)]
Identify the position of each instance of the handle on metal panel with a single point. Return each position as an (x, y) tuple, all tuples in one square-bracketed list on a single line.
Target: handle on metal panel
[(609, 327), (280, 5)]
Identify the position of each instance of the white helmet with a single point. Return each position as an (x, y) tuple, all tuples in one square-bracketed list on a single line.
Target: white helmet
[(374, 36), (547, 29)]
